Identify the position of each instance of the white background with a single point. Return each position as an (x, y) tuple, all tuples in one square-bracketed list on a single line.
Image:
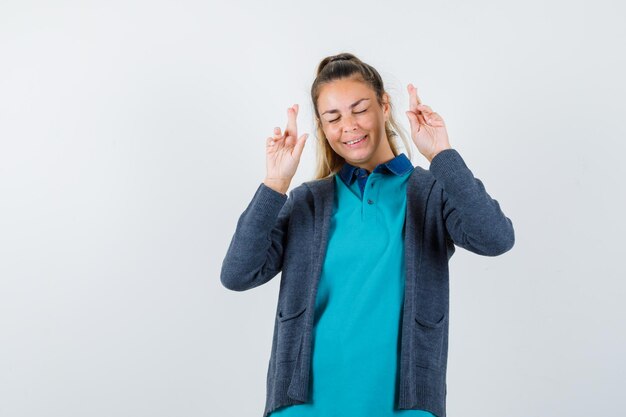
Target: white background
[(132, 136)]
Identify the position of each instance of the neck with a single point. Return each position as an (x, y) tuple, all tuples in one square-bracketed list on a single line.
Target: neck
[(385, 155)]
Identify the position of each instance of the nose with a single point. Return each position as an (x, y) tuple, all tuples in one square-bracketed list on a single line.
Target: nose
[(349, 123)]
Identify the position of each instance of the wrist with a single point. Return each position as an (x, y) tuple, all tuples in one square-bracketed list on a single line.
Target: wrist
[(437, 153), (279, 185)]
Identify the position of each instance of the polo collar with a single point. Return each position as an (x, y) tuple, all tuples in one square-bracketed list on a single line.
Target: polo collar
[(399, 165)]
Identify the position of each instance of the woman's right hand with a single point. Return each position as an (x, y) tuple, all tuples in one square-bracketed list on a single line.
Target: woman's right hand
[(283, 153)]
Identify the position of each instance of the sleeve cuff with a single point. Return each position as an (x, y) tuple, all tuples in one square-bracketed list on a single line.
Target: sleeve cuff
[(447, 163), (267, 201)]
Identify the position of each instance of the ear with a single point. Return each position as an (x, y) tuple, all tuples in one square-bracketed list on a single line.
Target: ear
[(386, 106)]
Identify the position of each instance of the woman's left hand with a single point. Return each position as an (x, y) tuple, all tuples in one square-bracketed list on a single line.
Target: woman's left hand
[(428, 130)]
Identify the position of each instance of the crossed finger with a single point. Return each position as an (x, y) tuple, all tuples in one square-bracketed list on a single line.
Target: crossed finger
[(272, 140), (413, 98), (433, 118), (427, 113), (424, 108), (290, 130), (292, 114), (414, 103)]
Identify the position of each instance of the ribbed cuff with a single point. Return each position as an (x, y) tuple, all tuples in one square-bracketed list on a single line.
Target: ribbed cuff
[(446, 163), (272, 193), (267, 202)]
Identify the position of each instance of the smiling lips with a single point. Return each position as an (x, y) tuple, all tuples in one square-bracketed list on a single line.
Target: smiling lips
[(358, 141)]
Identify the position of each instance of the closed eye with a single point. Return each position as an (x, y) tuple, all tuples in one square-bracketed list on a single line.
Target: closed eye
[(356, 112)]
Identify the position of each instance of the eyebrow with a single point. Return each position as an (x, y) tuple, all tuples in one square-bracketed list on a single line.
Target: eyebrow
[(351, 106)]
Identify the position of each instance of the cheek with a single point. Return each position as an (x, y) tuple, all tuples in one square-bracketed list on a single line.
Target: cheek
[(333, 139), (332, 134), (334, 143), (369, 123)]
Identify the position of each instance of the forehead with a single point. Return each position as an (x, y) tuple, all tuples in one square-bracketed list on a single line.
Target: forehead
[(342, 93)]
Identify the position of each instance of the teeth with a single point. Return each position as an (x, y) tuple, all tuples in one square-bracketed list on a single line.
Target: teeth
[(355, 141)]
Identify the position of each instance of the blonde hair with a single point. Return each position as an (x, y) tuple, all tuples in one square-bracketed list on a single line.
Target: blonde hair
[(346, 65)]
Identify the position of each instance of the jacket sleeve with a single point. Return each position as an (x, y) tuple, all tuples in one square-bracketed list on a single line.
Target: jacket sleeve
[(474, 221), (255, 253)]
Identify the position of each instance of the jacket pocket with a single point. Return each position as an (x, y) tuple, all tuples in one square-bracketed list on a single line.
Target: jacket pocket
[(290, 330), (429, 341)]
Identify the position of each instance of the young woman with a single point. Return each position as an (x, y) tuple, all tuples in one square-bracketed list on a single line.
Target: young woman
[(362, 317)]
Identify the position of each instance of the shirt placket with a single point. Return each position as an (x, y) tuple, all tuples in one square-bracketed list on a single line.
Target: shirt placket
[(369, 192)]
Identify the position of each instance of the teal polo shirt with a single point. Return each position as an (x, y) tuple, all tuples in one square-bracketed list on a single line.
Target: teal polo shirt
[(356, 335)]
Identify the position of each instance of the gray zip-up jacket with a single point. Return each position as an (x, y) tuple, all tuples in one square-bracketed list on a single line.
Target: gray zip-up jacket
[(446, 205)]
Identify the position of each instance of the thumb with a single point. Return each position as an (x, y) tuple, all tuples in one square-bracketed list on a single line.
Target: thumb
[(413, 120), (300, 145)]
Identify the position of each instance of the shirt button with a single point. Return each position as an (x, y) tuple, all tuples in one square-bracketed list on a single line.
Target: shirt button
[(370, 201)]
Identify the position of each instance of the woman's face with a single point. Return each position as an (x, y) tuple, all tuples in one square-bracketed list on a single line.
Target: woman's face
[(348, 110)]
